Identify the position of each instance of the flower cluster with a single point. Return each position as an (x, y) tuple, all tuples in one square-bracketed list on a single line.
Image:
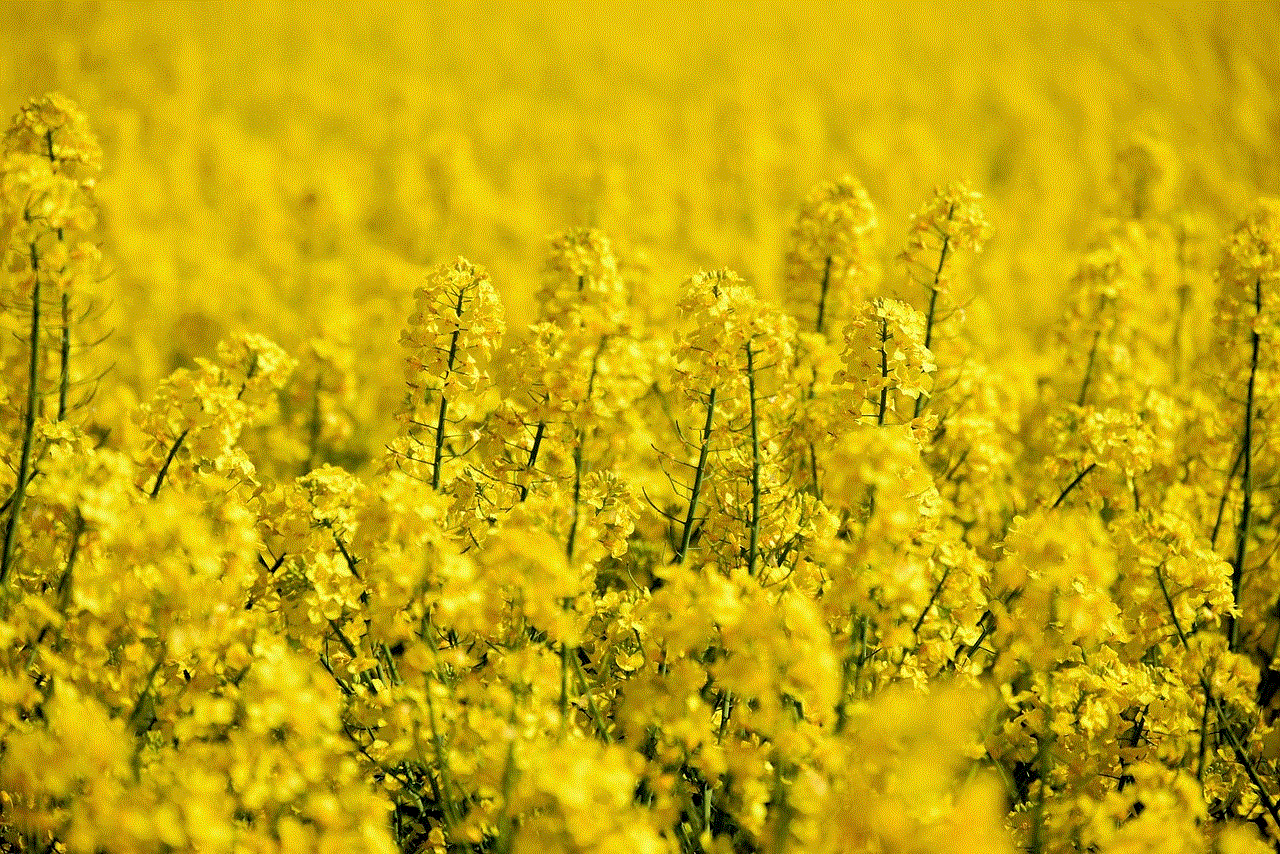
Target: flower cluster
[(885, 352), (453, 331), (666, 568), (832, 261), (950, 221)]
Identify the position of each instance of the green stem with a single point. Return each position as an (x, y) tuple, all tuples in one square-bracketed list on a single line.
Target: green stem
[(1225, 725), (884, 371), (579, 437), (842, 707), (782, 833), (1203, 746), (533, 458), (442, 767), (1242, 757), (601, 729), (1246, 480), (564, 687), (135, 716), (813, 468), (507, 820), (1093, 357), (754, 546), (444, 401), (726, 709), (822, 296), (698, 475), (1168, 601), (64, 582), (439, 451), (1073, 485), (1222, 502), (64, 357), (577, 493), (28, 424), (313, 427), (1037, 815), (932, 598), (168, 461), (1184, 299), (1088, 369), (933, 305)]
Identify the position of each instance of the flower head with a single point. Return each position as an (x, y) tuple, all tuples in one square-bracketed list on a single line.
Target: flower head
[(885, 351), (951, 220), (456, 324), (832, 256), (581, 287), (54, 128)]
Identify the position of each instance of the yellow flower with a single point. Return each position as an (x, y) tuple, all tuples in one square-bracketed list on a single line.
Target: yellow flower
[(831, 259), (54, 128), (951, 220), (885, 356), (456, 324), (582, 290)]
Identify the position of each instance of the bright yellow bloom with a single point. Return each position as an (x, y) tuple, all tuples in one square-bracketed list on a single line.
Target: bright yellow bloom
[(831, 262)]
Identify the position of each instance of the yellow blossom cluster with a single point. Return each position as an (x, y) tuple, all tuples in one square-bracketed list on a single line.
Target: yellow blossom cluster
[(747, 513), (832, 262)]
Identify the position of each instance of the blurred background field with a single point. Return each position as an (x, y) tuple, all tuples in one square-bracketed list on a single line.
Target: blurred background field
[(289, 168)]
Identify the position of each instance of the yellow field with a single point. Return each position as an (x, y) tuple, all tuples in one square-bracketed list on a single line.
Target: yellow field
[(640, 427)]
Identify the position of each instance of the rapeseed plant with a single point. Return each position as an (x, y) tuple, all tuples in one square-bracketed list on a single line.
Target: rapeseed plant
[(811, 552)]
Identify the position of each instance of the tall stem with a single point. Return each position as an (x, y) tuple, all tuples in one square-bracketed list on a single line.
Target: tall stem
[(439, 452), (1070, 486), (449, 807), (698, 475), (313, 427), (579, 437), (884, 371), (533, 457), (1246, 478), (28, 424), (564, 687), (64, 354), (933, 306), (1088, 369), (754, 547), (1226, 728), (444, 401), (1184, 299), (822, 297), (577, 494), (1222, 501), (168, 461)]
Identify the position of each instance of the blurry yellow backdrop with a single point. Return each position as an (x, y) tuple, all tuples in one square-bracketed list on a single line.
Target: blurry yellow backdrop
[(287, 168)]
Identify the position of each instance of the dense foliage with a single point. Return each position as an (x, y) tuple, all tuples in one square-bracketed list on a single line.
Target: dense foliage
[(925, 535)]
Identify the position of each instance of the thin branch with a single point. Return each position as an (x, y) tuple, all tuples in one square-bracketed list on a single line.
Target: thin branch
[(168, 461), (28, 424), (1246, 480), (754, 545), (699, 473), (822, 298), (1226, 491), (1073, 485)]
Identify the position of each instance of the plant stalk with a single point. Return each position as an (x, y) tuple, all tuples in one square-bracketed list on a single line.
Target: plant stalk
[(820, 326), (1246, 479), (698, 475), (753, 548), (28, 425), (933, 305)]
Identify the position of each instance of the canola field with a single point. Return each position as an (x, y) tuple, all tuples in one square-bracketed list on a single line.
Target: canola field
[(640, 428)]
